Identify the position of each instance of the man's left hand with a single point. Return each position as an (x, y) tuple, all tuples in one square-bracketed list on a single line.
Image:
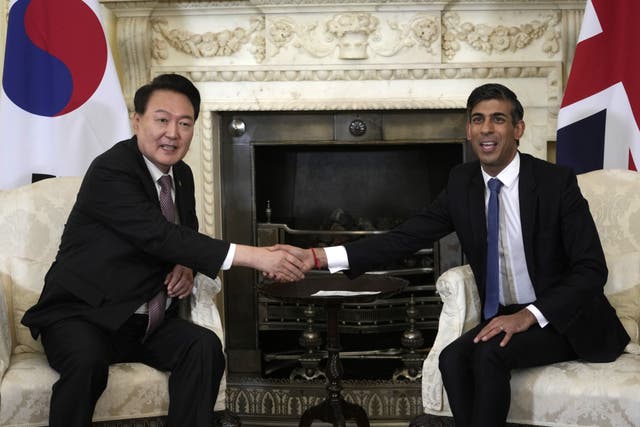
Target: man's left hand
[(179, 282), (508, 325)]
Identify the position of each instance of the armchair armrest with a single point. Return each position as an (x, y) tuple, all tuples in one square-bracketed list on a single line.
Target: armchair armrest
[(460, 312), (201, 308), (5, 333)]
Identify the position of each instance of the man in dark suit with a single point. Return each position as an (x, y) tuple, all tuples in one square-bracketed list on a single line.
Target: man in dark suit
[(120, 250), (548, 305)]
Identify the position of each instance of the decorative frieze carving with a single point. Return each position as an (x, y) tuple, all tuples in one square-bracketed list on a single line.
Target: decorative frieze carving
[(222, 43), (500, 38), (357, 35)]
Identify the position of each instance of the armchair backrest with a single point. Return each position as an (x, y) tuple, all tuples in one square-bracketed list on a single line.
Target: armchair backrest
[(32, 217), (614, 201)]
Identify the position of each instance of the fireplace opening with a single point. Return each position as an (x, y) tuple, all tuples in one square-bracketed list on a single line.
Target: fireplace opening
[(365, 186), (315, 179)]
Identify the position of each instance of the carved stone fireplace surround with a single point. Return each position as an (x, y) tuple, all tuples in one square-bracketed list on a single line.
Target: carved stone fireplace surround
[(288, 55)]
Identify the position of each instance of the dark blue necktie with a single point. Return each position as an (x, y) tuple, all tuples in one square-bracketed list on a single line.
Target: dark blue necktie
[(492, 292)]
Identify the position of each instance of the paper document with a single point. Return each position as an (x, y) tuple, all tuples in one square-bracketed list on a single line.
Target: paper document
[(343, 293)]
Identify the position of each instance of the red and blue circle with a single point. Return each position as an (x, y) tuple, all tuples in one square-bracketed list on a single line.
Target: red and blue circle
[(55, 57)]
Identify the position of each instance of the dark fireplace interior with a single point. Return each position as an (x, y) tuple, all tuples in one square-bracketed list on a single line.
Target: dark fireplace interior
[(323, 179)]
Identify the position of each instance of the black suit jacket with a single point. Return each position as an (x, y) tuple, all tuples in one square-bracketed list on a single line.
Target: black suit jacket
[(562, 249), (117, 247)]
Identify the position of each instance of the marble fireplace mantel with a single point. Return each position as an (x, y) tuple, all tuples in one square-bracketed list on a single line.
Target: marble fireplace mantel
[(267, 55)]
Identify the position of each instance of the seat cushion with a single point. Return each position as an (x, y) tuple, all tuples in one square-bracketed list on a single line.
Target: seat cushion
[(578, 394), (134, 389)]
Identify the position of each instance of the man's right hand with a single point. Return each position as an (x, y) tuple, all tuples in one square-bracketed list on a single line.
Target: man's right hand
[(305, 255), (277, 264)]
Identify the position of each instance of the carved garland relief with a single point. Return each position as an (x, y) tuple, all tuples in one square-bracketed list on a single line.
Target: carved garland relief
[(357, 35), (209, 44), (500, 38)]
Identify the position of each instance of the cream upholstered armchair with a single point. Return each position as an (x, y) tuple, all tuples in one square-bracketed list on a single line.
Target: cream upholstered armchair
[(568, 393), (31, 223)]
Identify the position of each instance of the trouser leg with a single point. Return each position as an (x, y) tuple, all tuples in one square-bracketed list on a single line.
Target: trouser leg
[(79, 352), (195, 358), (477, 376)]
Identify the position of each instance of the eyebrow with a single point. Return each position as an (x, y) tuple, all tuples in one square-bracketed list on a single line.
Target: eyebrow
[(498, 114), (186, 116)]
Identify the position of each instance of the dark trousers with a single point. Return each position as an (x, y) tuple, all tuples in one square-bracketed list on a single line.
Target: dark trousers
[(477, 376), (82, 352)]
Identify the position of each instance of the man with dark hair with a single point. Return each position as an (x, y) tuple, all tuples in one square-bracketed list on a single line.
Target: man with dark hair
[(535, 253), (128, 252)]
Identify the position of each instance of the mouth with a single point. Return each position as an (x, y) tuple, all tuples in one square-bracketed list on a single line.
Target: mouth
[(488, 146), (168, 147)]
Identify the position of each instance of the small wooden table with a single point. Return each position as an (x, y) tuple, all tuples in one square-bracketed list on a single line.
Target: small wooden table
[(334, 409)]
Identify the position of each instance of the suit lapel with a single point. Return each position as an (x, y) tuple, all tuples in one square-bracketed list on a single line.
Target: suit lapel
[(177, 182), (147, 181), (478, 222), (528, 208)]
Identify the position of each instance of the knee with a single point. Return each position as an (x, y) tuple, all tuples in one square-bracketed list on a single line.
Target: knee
[(451, 359), (487, 354), (212, 346), (90, 368)]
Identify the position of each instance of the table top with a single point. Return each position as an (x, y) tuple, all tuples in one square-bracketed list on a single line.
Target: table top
[(376, 286)]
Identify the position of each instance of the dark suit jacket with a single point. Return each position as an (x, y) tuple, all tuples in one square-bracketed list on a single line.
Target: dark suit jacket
[(562, 248), (117, 247)]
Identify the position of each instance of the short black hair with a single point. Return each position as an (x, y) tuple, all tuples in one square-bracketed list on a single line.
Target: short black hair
[(495, 91), (172, 82)]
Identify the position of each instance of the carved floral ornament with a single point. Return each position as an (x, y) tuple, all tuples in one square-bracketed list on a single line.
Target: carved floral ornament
[(209, 44), (355, 35), (500, 38)]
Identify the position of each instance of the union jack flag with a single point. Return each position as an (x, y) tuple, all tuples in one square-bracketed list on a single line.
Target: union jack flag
[(600, 112)]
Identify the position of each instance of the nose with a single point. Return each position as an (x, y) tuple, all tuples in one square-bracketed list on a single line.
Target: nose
[(487, 127), (172, 129)]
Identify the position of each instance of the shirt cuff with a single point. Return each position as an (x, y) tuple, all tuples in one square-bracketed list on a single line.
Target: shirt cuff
[(228, 261), (337, 259), (542, 321)]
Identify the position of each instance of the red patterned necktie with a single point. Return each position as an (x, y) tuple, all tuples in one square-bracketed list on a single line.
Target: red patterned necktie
[(157, 304)]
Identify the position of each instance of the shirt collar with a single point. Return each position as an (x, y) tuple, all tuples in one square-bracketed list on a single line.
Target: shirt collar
[(508, 175), (155, 172)]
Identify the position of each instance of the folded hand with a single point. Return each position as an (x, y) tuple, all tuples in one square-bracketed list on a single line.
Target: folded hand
[(179, 281)]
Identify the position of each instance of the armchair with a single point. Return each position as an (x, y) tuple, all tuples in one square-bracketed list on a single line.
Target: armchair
[(31, 223), (573, 393)]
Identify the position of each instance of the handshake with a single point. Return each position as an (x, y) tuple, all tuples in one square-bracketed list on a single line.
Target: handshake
[(284, 263)]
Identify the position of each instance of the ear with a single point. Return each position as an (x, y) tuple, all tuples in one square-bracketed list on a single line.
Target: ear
[(468, 127), (518, 130), (136, 122)]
